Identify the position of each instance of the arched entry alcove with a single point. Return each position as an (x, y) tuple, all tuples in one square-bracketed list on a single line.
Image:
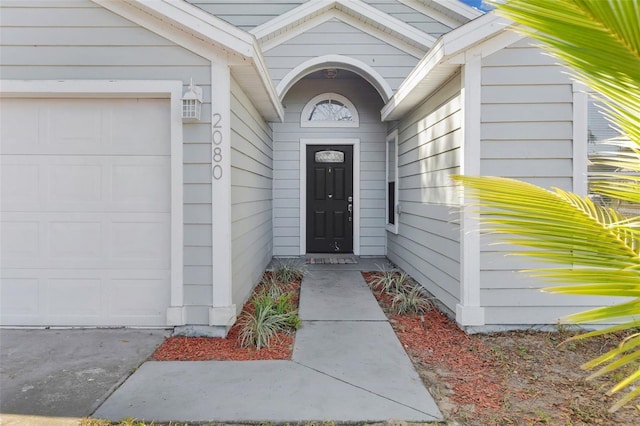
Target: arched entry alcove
[(338, 161), (338, 62)]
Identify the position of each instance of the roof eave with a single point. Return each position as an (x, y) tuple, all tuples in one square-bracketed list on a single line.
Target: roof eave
[(441, 62), (207, 36)]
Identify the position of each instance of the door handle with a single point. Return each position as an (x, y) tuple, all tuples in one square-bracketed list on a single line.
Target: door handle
[(350, 210)]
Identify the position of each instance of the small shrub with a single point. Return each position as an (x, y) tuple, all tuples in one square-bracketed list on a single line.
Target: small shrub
[(259, 327), (410, 299), (288, 271), (390, 280), (271, 286), (271, 315)]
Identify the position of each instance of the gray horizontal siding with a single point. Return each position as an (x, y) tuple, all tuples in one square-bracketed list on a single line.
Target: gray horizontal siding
[(76, 39), (246, 14), (526, 133), (287, 135), (251, 195), (427, 245), (250, 14), (411, 16), (337, 38)]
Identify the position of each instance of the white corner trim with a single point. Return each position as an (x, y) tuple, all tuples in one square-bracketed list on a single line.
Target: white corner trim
[(340, 62), (580, 138), (220, 139), (356, 188), (392, 138), (222, 316), (470, 165), (130, 89), (314, 12), (306, 112), (469, 315)]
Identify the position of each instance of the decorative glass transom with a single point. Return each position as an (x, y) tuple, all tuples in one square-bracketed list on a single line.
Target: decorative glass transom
[(329, 157), (329, 110)]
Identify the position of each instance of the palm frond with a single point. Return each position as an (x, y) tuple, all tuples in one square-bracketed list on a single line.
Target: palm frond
[(598, 40), (565, 228)]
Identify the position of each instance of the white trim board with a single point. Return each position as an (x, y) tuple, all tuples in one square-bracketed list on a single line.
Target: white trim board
[(356, 188), (131, 89), (392, 138), (580, 137), (469, 310)]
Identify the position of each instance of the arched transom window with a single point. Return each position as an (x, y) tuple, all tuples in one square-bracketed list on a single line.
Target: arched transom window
[(329, 110)]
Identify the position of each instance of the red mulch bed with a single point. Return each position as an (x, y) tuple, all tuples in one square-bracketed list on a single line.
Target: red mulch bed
[(436, 340), (181, 348)]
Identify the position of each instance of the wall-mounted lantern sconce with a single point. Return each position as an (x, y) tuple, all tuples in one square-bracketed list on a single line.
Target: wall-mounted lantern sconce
[(192, 103)]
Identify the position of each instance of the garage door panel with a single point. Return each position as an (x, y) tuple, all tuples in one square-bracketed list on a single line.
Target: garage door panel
[(85, 183), (89, 297), (86, 212), (19, 239), (77, 184), (85, 240), (140, 242), (19, 297), (85, 126), (20, 184), (74, 297), (130, 298), (141, 186)]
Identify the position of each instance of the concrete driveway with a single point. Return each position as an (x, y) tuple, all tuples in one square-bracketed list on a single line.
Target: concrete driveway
[(59, 376)]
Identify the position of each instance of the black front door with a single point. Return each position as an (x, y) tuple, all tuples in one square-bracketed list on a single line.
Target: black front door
[(329, 199)]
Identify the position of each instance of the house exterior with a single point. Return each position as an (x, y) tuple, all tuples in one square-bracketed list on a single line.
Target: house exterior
[(326, 126)]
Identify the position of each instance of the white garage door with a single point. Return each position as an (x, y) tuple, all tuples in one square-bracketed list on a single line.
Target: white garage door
[(85, 211)]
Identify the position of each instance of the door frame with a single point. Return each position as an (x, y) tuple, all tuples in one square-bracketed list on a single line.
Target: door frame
[(356, 188)]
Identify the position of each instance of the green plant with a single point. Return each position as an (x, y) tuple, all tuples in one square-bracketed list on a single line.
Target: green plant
[(269, 317), (596, 247), (259, 327), (271, 286), (284, 306), (287, 271), (410, 298), (390, 280)]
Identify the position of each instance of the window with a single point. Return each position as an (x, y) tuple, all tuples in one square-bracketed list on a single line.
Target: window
[(329, 110), (392, 182), (601, 137)]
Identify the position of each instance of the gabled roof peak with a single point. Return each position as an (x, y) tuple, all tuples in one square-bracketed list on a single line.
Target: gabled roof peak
[(314, 12)]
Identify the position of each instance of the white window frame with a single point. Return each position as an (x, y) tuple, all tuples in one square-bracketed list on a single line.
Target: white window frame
[(306, 111), (392, 138)]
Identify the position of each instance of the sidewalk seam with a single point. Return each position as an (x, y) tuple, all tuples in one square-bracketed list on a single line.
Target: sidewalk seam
[(367, 390)]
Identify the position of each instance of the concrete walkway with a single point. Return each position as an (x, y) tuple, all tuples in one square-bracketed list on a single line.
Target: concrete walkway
[(347, 365)]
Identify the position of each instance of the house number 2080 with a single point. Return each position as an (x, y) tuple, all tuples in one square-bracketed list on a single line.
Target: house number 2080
[(216, 152)]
